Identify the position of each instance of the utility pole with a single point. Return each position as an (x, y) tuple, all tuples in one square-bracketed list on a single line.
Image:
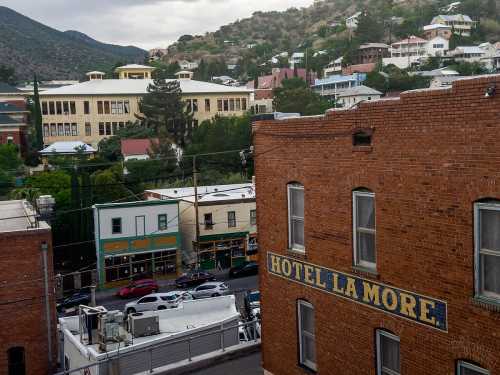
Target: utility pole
[(45, 247), (197, 219)]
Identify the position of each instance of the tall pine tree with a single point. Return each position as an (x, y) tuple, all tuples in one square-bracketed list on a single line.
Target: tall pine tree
[(37, 116), (163, 109)]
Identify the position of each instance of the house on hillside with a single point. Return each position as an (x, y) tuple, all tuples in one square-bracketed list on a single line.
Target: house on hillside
[(437, 29), (331, 87), (467, 54), (296, 59), (334, 67), (354, 95), (371, 53), (407, 52), (461, 24)]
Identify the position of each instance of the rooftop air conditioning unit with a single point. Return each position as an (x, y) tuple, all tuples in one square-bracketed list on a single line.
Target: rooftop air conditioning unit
[(144, 324)]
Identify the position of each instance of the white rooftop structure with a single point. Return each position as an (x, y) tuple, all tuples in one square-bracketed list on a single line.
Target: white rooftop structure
[(452, 18), (436, 26), (212, 193), (134, 66), (137, 87), (21, 217), (68, 148), (95, 72), (190, 318)]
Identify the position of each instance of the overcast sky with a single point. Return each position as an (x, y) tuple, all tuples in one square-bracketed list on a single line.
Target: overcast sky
[(143, 23)]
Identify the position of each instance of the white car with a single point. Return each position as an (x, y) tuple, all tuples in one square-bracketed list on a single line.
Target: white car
[(158, 301), (210, 289)]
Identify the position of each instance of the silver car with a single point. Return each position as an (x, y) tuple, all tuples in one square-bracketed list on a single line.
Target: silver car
[(210, 289), (157, 301)]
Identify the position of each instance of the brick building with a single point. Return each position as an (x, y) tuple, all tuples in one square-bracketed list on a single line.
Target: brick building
[(380, 236), (24, 327)]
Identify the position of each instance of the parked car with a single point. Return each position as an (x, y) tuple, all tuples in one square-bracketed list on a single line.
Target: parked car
[(157, 301), (244, 269), (81, 297), (194, 278), (138, 288), (252, 304), (210, 289)]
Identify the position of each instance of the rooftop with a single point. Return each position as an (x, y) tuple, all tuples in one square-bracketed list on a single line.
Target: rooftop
[(134, 66), (359, 90), (95, 72), (452, 18), (410, 40), (137, 87), (335, 79), (436, 26), (5, 88), (67, 147), (188, 318), (373, 45), (17, 215), (468, 50), (136, 146), (212, 193)]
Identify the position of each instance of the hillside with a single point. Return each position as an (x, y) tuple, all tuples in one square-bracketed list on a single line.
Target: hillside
[(31, 47), (321, 27)]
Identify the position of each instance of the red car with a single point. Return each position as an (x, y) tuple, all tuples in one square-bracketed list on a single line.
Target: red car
[(138, 288)]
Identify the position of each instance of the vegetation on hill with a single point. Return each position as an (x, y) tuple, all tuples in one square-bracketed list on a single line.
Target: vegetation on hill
[(31, 47)]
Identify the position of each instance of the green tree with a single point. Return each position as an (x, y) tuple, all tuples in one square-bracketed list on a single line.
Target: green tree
[(295, 96), (37, 116), (369, 29), (164, 111), (108, 185), (8, 75), (10, 166)]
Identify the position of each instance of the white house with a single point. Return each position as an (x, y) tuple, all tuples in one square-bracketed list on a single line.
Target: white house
[(437, 46), (188, 65), (334, 67), (467, 53), (296, 58), (136, 239), (227, 222), (352, 21), (353, 95), (461, 24)]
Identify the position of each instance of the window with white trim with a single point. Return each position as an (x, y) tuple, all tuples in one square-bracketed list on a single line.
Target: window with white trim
[(466, 368), (388, 356), (487, 250), (296, 216), (364, 229), (307, 339)]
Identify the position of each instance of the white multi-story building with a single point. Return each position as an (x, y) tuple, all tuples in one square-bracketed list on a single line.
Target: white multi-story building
[(136, 239), (437, 46), (333, 68), (227, 222), (296, 58), (460, 23)]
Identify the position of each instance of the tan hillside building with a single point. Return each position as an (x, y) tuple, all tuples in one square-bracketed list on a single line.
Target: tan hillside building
[(93, 110)]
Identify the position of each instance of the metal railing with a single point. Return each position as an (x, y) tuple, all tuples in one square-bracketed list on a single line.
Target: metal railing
[(253, 336)]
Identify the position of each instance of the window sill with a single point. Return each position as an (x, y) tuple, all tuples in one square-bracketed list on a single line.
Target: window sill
[(489, 304), (362, 148), (301, 254), (364, 271)]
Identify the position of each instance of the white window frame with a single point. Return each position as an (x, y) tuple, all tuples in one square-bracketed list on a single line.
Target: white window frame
[(470, 366), (301, 333), (359, 262), (478, 276), (390, 336), (291, 245)]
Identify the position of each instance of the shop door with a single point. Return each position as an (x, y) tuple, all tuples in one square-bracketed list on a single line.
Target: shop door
[(223, 259), (140, 226)]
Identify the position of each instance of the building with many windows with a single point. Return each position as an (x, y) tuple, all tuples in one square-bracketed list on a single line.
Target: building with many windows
[(227, 222), (460, 24), (380, 230), (93, 110), (136, 240), (333, 86)]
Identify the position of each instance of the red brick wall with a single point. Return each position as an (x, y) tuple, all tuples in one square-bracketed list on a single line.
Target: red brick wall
[(433, 154), (23, 323)]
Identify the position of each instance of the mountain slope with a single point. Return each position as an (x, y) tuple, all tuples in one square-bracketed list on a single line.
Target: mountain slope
[(31, 47)]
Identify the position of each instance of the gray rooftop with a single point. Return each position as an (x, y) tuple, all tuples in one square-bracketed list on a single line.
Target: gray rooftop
[(5, 88), (359, 90), (17, 215)]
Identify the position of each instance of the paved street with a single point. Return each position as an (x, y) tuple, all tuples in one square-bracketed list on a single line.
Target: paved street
[(237, 286), (249, 365)]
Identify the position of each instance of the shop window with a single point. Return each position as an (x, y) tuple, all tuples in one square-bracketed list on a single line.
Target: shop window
[(388, 356), (487, 250), (253, 217), (116, 225), (231, 219), (16, 360), (466, 368), (364, 229), (209, 224), (307, 338), (296, 216), (162, 222)]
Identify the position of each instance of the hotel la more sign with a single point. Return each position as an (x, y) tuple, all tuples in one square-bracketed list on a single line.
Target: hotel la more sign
[(417, 308)]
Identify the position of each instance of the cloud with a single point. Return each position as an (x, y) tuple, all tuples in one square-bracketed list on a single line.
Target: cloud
[(146, 23)]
